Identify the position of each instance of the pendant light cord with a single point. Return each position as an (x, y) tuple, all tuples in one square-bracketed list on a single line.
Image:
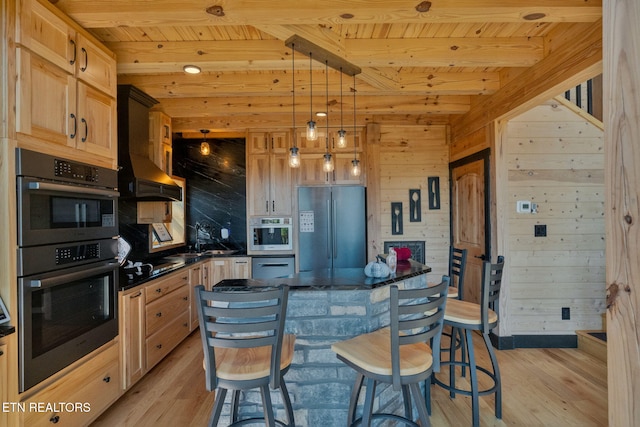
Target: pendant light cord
[(293, 90), (326, 76)]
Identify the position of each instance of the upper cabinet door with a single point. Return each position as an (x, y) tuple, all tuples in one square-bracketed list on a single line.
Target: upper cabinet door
[(97, 128), (41, 86), (46, 34), (95, 66)]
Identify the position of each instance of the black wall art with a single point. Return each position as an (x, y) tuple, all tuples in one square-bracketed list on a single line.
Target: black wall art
[(433, 183), (415, 211), (396, 218)]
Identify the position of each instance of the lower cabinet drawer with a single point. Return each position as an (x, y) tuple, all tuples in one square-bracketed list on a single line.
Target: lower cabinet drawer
[(162, 311), (167, 338), (80, 396)]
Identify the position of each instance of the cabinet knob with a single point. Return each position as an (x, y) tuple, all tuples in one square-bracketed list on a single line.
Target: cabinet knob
[(186, 298), (159, 290), (107, 379), (1, 353), (186, 325), (159, 314), (159, 346), (54, 419)]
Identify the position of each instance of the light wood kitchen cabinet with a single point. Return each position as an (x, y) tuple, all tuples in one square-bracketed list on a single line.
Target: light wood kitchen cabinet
[(166, 315), (268, 142), (240, 268), (160, 142), (154, 212), (195, 279), (269, 177), (218, 269), (66, 86), (94, 385), (132, 335), (4, 390)]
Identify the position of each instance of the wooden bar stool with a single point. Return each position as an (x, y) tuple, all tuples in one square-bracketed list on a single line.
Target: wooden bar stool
[(400, 354), (245, 347), (467, 317)]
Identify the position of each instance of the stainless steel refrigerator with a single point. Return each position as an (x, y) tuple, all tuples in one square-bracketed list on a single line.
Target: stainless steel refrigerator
[(331, 227)]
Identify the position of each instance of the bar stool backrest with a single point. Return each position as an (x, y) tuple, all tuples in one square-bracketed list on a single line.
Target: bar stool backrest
[(416, 316), (491, 283), (242, 317), (457, 266)]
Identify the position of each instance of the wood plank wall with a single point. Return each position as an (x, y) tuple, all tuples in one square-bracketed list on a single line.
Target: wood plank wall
[(408, 155), (622, 123), (555, 158)]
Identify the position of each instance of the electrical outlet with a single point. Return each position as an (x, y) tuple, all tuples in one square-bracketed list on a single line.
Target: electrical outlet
[(540, 230), (566, 313)]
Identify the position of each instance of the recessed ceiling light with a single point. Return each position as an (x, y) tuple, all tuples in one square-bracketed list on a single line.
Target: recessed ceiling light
[(321, 114), (191, 69)]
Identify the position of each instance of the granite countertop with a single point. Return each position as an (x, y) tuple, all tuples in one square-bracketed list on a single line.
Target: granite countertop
[(6, 330), (131, 278), (336, 278)]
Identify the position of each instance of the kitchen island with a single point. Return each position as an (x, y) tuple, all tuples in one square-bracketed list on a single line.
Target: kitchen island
[(327, 306)]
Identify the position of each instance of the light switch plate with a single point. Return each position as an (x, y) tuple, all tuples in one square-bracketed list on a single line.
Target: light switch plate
[(523, 206)]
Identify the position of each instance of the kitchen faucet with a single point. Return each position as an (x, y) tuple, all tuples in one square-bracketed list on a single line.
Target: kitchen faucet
[(198, 226)]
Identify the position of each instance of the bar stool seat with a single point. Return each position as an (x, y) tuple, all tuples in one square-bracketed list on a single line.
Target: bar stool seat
[(241, 364), (467, 313)]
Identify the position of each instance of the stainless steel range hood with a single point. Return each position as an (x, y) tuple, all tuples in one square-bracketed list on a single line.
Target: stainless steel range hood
[(139, 177)]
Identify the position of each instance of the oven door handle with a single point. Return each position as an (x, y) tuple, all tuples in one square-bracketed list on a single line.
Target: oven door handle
[(69, 277), (49, 186)]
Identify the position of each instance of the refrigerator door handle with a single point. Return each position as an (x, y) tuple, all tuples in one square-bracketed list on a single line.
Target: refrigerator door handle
[(335, 228), (329, 229)]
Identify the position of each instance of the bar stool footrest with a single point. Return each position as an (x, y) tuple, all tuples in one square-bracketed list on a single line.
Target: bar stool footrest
[(465, 392), (379, 415)]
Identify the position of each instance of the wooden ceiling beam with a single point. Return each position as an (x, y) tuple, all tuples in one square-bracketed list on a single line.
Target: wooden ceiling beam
[(150, 57), (279, 83), (266, 105), (137, 13)]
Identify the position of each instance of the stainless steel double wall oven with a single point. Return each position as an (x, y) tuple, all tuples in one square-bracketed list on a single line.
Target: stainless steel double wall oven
[(67, 262)]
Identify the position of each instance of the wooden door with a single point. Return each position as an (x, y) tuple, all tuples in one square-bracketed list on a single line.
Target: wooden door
[(469, 214)]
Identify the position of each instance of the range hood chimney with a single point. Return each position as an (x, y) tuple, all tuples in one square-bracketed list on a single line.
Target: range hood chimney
[(139, 177)]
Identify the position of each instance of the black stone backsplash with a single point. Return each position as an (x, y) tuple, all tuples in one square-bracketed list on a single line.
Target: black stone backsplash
[(216, 190)]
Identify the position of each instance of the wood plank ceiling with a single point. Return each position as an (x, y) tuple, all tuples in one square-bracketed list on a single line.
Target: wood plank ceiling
[(422, 62)]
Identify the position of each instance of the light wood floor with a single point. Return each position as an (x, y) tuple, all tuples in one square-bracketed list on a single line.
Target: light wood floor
[(541, 387)]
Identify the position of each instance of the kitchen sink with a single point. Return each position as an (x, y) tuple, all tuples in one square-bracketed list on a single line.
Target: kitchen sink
[(213, 252), (210, 252)]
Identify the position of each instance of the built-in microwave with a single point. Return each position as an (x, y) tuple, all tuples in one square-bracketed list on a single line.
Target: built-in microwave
[(271, 234)]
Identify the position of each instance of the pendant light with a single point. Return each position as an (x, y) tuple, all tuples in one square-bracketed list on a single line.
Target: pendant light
[(205, 149), (312, 131), (355, 163), (294, 156), (327, 165), (342, 134)]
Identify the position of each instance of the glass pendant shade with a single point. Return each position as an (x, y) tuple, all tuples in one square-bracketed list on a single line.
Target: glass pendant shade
[(294, 157), (312, 131), (327, 165), (342, 138), (205, 149), (355, 167)]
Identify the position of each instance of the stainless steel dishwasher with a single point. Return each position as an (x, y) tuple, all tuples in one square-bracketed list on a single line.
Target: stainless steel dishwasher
[(269, 267)]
